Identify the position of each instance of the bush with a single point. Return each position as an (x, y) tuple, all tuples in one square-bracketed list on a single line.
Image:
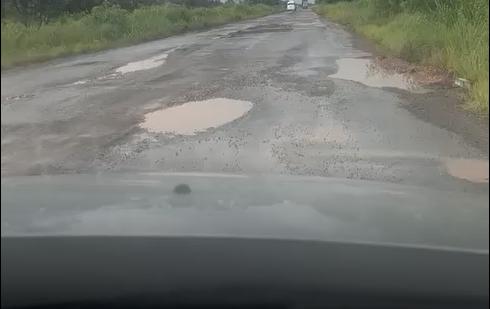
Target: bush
[(109, 22)]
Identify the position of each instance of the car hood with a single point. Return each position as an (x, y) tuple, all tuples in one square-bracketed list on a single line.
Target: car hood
[(301, 208)]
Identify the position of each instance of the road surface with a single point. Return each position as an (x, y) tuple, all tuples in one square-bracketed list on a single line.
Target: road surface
[(86, 114)]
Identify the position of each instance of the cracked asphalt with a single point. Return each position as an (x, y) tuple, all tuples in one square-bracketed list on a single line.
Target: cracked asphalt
[(79, 115)]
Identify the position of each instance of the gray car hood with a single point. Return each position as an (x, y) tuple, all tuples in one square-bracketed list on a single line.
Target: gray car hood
[(304, 208)]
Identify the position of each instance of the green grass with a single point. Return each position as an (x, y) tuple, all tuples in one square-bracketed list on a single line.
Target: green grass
[(451, 34), (107, 27)]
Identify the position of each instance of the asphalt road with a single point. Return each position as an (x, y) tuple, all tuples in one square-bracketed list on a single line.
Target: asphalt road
[(83, 114)]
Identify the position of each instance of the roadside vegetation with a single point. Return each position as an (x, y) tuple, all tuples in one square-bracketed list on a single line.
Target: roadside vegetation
[(451, 34), (31, 37)]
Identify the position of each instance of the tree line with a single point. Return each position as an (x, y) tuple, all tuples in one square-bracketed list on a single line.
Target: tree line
[(32, 12)]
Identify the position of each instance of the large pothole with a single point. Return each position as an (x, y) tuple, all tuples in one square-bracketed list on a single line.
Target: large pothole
[(473, 170), (193, 117), (366, 72)]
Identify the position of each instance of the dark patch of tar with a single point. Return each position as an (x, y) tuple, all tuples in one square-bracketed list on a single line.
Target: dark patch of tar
[(262, 29), (444, 108), (190, 49), (85, 63), (167, 77)]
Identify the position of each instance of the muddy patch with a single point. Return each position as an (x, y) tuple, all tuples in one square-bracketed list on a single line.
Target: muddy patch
[(425, 75), (145, 64), (468, 169), (197, 116), (367, 72)]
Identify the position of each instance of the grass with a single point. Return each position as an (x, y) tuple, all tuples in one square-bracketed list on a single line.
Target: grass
[(451, 34), (111, 26)]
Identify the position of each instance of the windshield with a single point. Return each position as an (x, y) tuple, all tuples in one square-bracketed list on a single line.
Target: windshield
[(387, 98)]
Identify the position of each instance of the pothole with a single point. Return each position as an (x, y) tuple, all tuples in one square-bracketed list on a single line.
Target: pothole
[(262, 29), (81, 82), (469, 169), (145, 64), (85, 63), (197, 116), (19, 97), (366, 72)]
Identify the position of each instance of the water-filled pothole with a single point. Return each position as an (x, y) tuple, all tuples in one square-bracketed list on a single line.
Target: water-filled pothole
[(469, 169), (366, 72), (19, 97), (145, 64), (197, 116)]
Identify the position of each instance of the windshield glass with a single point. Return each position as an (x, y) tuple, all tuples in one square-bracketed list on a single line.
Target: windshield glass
[(324, 120)]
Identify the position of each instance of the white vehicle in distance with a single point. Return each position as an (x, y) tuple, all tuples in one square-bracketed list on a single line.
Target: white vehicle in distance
[(291, 6)]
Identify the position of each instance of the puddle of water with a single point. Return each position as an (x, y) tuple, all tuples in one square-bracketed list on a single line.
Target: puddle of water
[(81, 82), (108, 77), (365, 72), (146, 64), (194, 117), (469, 169), (19, 97)]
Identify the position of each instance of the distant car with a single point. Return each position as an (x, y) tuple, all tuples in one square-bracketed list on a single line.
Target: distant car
[(305, 4), (291, 6)]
